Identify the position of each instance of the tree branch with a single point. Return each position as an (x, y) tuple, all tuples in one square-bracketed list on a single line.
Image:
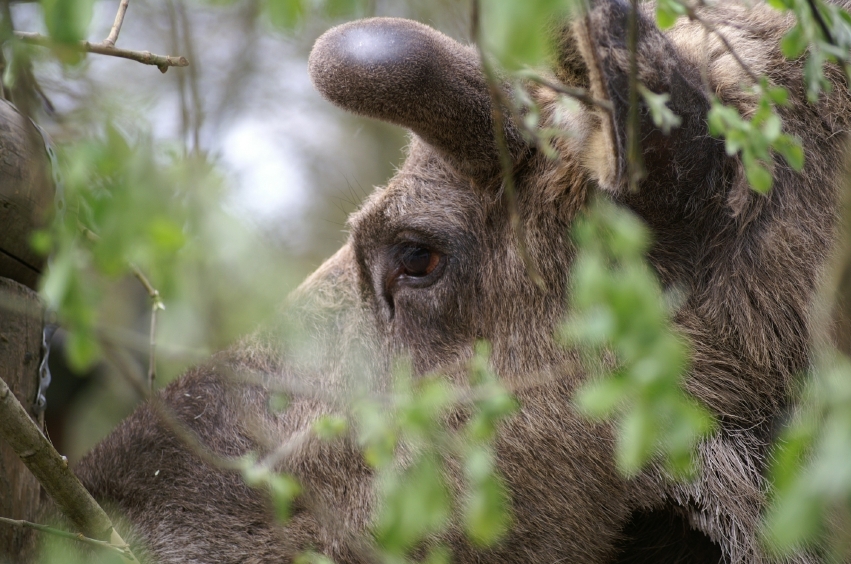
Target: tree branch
[(693, 15), (635, 166), (124, 552), (162, 62), (116, 26), (579, 94), (820, 21), (51, 470), (497, 100)]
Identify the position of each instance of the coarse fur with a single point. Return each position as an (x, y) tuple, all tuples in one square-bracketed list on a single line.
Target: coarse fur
[(748, 266)]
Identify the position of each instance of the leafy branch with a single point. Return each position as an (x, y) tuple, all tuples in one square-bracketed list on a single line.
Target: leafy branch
[(617, 306), (757, 137)]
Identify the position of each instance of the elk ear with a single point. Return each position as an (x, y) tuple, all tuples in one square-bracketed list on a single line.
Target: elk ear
[(593, 53), (409, 74)]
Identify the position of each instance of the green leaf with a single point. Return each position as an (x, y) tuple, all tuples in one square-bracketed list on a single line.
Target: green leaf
[(486, 514), (794, 43), (285, 14), (41, 241), (758, 177), (792, 151), (600, 398), (667, 13), (278, 403), (56, 283), (283, 490), (310, 557), (781, 5), (663, 117), (771, 128), (416, 505), (82, 350), (329, 427), (67, 21), (635, 441), (515, 32), (166, 234), (778, 95)]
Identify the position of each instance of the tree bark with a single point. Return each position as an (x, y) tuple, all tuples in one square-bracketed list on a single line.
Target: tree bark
[(21, 316)]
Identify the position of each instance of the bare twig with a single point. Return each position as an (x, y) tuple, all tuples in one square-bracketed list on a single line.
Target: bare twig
[(162, 62), (51, 470), (285, 449), (127, 367), (497, 101), (181, 78), (6, 29), (820, 20), (79, 537), (635, 166), (156, 305), (579, 94), (189, 49), (116, 25), (694, 16)]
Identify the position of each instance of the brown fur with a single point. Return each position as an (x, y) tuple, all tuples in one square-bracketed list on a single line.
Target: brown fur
[(749, 265)]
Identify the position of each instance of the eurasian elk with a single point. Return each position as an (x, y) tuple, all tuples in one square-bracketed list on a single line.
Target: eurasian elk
[(432, 266)]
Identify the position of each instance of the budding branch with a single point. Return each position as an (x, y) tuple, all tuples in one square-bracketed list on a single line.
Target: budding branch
[(162, 62)]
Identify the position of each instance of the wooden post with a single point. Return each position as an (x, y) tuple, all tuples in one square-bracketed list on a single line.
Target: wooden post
[(21, 316), (27, 195)]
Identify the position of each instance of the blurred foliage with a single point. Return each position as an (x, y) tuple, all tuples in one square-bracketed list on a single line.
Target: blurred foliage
[(810, 470), (512, 31), (67, 21), (138, 201), (133, 204), (618, 306), (823, 32), (416, 502)]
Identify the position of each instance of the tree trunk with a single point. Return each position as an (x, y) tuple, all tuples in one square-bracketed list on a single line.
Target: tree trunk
[(21, 317)]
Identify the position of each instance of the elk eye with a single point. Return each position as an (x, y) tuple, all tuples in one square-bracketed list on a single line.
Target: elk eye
[(419, 261)]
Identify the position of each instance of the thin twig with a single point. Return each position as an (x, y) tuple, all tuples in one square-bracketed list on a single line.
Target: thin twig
[(6, 29), (181, 78), (189, 49), (162, 62), (635, 167), (79, 537), (820, 21), (156, 305), (116, 25), (497, 101), (127, 368), (579, 94), (693, 15)]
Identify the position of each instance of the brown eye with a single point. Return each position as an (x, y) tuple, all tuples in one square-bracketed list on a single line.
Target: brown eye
[(419, 261)]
